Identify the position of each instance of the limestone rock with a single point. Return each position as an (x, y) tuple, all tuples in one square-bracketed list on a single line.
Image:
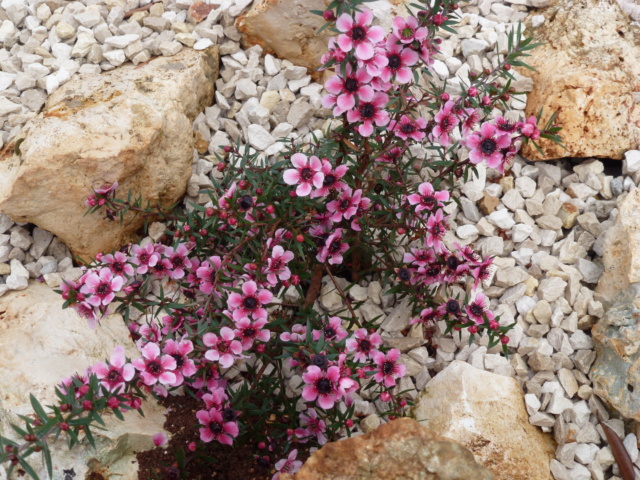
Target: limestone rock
[(130, 125), (621, 257), (33, 321), (588, 79), (399, 449), (486, 413), (616, 371)]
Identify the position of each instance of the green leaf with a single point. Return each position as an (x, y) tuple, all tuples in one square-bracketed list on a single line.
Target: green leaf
[(28, 468), (89, 436), (37, 407), (46, 453)]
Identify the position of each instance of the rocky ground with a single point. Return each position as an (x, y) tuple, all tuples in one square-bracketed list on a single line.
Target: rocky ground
[(544, 222)]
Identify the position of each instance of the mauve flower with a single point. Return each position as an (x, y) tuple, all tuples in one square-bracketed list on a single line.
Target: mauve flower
[(446, 121), (358, 34), (250, 303), (322, 385), (345, 91), (427, 198), (207, 273), (224, 348), (478, 308), (363, 344), (369, 113), (144, 257), (399, 59), (248, 331), (345, 205), (487, 144), (437, 227), (159, 439), (529, 128), (185, 367), (215, 428), (102, 286), (179, 261), (388, 367), (333, 248), (288, 465), (311, 425), (332, 330), (113, 376), (117, 263), (306, 174), (408, 29), (408, 127), (155, 368), (277, 265)]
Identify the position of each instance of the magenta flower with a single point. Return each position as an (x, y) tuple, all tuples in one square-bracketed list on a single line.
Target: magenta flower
[(106, 189), (477, 309), (289, 465), (399, 59), (216, 399), (345, 205), (362, 207), (144, 257), (306, 174), (389, 369), (102, 286), (333, 248), (408, 127), (446, 121), (87, 311), (471, 120), (113, 376), (297, 334), (155, 368), (179, 261), (421, 257), (375, 64), (159, 439), (486, 144), (250, 303), (117, 263), (454, 268), (322, 385), (215, 428), (369, 113), (427, 198), (223, 202), (407, 29), (162, 267), (358, 34), (185, 367), (529, 128), (345, 91), (427, 316), (311, 425), (207, 273), (334, 52), (437, 227), (331, 180), (277, 265), (332, 330), (248, 331), (482, 271), (364, 345), (392, 155), (224, 348)]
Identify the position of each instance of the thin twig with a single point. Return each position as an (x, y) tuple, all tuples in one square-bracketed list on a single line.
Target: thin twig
[(342, 294), (141, 9)]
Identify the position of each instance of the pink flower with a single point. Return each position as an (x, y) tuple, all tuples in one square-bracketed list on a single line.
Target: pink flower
[(392, 155), (421, 257), (332, 331), (408, 127), (358, 34), (363, 344), (216, 399), (297, 334), (486, 144), (307, 173), (117, 263), (106, 189), (388, 367), (224, 349), (427, 316), (427, 198), (345, 205), (454, 268), (363, 206), (477, 309), (290, 465), (437, 227), (345, 91), (375, 64), (322, 385), (482, 271), (185, 367), (427, 50), (399, 59), (207, 273), (334, 52), (471, 120), (155, 368), (87, 311), (250, 303), (159, 439), (446, 121), (407, 29), (179, 261), (223, 202), (331, 180), (333, 248), (144, 257), (529, 128), (248, 331), (162, 267), (215, 428), (277, 265), (369, 113), (113, 376), (103, 287), (311, 425)]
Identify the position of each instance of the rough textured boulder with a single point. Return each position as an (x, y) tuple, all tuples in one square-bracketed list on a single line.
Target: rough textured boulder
[(486, 413), (621, 257), (288, 29), (132, 125), (401, 449), (588, 72), (616, 371), (41, 343)]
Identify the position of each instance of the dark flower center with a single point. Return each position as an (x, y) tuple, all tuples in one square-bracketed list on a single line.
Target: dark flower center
[(319, 361), (452, 262), (103, 289), (179, 360), (404, 274), (276, 264), (453, 306), (144, 258), (229, 415), (335, 246), (154, 367), (114, 376), (223, 347), (306, 173), (433, 271), (215, 428), (329, 180), (408, 128), (250, 303), (117, 266), (351, 85), (488, 146), (507, 127), (367, 110), (476, 309), (394, 61), (246, 202), (249, 332), (364, 345), (387, 368), (358, 34), (329, 332), (428, 201), (324, 386), (344, 204), (177, 261)]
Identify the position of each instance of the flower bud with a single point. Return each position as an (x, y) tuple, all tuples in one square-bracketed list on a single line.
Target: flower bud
[(299, 238), (438, 19), (232, 221), (486, 100), (243, 184), (349, 423), (473, 91), (87, 405), (507, 66), (473, 329), (445, 97), (504, 340), (221, 166), (329, 16), (385, 396), (288, 235), (192, 446), (260, 348), (295, 280), (113, 403), (64, 426), (270, 209)]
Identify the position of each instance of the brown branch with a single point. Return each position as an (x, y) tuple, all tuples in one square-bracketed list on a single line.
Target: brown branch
[(342, 294), (140, 9)]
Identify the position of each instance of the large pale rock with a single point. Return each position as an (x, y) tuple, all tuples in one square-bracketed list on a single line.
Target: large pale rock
[(130, 125), (41, 343), (621, 251), (401, 449), (486, 413), (616, 371), (588, 78), (288, 29)]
